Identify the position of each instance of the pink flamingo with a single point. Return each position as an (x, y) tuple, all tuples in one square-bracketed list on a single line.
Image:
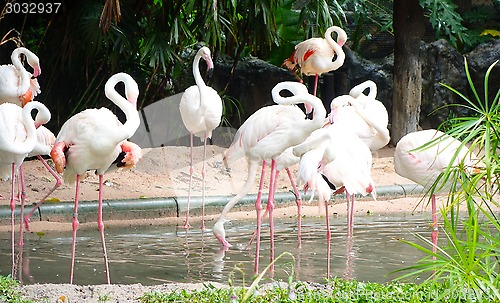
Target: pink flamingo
[(264, 136), (94, 139), (423, 155), (201, 112), (16, 83), (314, 56), (17, 139), (347, 166)]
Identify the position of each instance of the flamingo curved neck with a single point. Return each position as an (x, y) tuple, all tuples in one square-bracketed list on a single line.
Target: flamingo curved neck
[(196, 71), (339, 61), (360, 88), (29, 124), (300, 97), (21, 71), (129, 108)]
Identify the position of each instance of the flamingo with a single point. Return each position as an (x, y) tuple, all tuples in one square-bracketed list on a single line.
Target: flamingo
[(423, 155), (17, 139), (94, 139), (364, 115), (264, 136), (347, 166), (201, 112), (314, 56), (16, 83)]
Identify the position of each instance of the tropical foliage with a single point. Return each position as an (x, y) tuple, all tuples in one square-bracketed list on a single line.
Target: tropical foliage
[(467, 256), (85, 42)]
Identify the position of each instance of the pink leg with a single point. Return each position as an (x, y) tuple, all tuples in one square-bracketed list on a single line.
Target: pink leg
[(270, 207), (298, 201), (434, 234), (100, 224), (12, 209), (316, 84), (203, 185), (328, 240), (58, 183), (186, 223), (258, 208), (350, 212), (75, 228), (23, 199)]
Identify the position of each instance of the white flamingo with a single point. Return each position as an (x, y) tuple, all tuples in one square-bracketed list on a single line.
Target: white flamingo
[(16, 83), (17, 139), (363, 114), (264, 136), (94, 139), (346, 165), (314, 56), (424, 164), (201, 112)]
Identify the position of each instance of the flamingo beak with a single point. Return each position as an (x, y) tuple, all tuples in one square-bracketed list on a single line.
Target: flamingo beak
[(210, 65), (37, 71), (331, 117)]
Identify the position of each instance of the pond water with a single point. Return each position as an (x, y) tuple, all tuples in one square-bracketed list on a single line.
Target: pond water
[(162, 254)]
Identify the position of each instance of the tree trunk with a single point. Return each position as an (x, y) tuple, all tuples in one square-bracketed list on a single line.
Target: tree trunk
[(409, 28)]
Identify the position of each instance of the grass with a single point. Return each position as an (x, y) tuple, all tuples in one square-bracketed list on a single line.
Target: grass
[(9, 291), (334, 290)]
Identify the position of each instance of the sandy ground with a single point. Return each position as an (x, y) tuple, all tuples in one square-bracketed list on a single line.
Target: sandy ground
[(164, 172)]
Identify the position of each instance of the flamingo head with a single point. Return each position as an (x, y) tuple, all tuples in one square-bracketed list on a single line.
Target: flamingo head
[(58, 155), (37, 70), (33, 61), (132, 92), (220, 233), (206, 55), (130, 155), (337, 103)]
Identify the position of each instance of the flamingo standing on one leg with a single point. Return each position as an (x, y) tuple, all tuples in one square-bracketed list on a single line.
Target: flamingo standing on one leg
[(17, 139), (16, 83), (424, 164), (201, 112), (264, 136), (314, 56), (94, 139)]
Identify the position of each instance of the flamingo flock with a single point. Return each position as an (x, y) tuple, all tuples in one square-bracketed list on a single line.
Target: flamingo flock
[(337, 147)]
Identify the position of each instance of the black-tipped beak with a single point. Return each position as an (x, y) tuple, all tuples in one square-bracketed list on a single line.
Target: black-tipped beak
[(210, 72)]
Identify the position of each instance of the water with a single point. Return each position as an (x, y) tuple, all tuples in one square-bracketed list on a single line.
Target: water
[(162, 254)]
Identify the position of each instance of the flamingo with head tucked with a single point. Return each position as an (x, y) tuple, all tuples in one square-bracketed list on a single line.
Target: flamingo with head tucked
[(16, 83), (201, 112), (363, 114), (423, 155), (265, 135), (93, 140), (17, 139), (314, 56)]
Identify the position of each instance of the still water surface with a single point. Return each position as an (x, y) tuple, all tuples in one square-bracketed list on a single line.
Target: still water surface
[(161, 254)]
